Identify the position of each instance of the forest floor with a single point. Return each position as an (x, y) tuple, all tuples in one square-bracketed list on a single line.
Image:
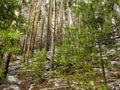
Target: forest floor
[(19, 80)]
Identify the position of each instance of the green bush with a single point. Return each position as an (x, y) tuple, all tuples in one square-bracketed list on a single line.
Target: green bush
[(2, 78), (37, 65)]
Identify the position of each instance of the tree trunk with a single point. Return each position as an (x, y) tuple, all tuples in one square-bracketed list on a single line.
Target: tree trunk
[(38, 17), (48, 41), (61, 23), (7, 65), (33, 21), (53, 34), (41, 37), (102, 65)]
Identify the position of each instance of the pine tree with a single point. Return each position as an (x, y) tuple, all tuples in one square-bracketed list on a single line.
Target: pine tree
[(80, 56)]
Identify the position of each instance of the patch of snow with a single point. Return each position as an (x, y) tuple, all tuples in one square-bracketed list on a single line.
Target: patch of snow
[(12, 79), (19, 82), (114, 62), (14, 87)]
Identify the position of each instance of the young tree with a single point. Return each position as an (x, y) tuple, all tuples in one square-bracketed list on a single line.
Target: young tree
[(80, 56), (9, 32)]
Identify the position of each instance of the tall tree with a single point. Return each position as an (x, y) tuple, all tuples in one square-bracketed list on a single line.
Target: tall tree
[(61, 22), (48, 41)]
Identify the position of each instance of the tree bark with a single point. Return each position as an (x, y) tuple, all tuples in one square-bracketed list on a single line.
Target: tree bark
[(38, 17), (7, 65), (48, 41), (41, 37), (102, 65), (61, 23)]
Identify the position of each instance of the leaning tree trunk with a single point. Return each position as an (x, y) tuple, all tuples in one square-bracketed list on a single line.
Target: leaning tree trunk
[(102, 64), (7, 64)]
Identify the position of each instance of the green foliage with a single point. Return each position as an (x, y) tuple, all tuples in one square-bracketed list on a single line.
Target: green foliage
[(38, 65), (9, 26), (10, 41), (78, 57), (10, 32), (79, 54), (7, 15), (1, 75)]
